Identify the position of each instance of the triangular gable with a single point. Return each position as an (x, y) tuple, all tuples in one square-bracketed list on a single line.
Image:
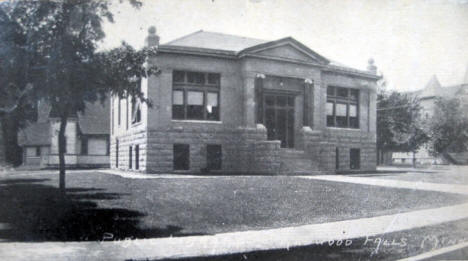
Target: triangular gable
[(286, 48)]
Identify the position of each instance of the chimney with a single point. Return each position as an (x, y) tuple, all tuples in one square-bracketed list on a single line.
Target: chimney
[(371, 67), (152, 39)]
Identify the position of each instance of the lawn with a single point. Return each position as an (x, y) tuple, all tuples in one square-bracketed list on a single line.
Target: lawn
[(103, 206)]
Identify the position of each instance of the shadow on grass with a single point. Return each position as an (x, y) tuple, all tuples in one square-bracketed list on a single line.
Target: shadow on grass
[(31, 211)]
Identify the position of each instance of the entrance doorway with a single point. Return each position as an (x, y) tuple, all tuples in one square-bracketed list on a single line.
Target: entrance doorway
[(279, 118)]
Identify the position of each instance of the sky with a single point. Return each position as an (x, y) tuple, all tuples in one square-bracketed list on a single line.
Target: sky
[(410, 40)]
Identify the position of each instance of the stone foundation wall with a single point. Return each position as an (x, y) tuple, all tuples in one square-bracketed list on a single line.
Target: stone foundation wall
[(132, 138), (244, 150), (238, 147), (323, 146)]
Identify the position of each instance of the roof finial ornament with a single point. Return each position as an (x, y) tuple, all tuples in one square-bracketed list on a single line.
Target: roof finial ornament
[(152, 40), (371, 66)]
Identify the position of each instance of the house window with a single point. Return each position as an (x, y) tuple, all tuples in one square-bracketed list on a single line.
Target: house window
[(337, 158), (137, 157), (195, 96), (84, 145), (130, 157), (354, 158), (38, 151), (342, 107), (181, 156), (213, 156)]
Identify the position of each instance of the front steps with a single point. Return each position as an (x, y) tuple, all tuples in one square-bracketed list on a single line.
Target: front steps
[(297, 162)]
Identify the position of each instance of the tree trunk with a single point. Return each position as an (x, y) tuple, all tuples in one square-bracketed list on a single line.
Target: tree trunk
[(12, 151), (62, 145), (414, 159)]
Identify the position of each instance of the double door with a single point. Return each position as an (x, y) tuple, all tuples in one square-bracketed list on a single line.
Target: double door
[(279, 118)]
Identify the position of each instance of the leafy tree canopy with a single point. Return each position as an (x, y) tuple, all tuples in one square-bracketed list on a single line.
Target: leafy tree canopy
[(55, 50), (399, 124), (449, 127)]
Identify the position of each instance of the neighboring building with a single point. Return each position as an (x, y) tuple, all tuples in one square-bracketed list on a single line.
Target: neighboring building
[(427, 98), (242, 105), (87, 138)]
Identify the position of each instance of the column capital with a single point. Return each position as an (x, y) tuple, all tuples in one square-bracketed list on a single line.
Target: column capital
[(260, 75), (308, 81)]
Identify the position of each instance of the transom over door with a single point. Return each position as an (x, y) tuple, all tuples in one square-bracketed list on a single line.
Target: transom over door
[(279, 118)]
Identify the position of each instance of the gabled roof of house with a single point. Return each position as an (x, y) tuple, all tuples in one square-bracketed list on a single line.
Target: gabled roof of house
[(94, 121), (35, 134), (232, 46), (434, 89)]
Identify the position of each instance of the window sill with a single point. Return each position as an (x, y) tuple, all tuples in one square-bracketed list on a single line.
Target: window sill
[(136, 124), (338, 128), (197, 121)]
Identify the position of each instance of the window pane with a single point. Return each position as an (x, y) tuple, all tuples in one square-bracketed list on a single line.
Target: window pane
[(331, 91), (178, 112), (30, 152), (212, 108), (196, 77), (290, 100), (212, 99), (340, 109), (270, 100), (341, 92), (281, 100), (177, 97), (354, 95), (178, 76), (213, 78), (194, 98), (352, 110), (330, 108)]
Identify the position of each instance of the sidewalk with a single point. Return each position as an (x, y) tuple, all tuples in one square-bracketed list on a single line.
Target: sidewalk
[(235, 242), (446, 188)]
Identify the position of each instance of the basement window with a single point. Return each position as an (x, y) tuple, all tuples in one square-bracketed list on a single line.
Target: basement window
[(354, 158), (181, 156), (214, 156)]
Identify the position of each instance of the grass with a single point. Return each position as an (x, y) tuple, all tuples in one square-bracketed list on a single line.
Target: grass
[(102, 206)]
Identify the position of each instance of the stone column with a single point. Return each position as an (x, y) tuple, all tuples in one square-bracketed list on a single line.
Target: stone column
[(259, 98), (249, 101), (308, 85)]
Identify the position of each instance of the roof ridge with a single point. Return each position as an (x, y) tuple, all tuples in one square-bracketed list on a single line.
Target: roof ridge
[(185, 36), (235, 35)]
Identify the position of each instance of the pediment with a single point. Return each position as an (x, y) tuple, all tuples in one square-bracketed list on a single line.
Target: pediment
[(288, 49)]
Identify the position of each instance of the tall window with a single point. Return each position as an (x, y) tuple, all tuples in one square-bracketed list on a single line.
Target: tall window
[(195, 96), (136, 106), (342, 107)]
